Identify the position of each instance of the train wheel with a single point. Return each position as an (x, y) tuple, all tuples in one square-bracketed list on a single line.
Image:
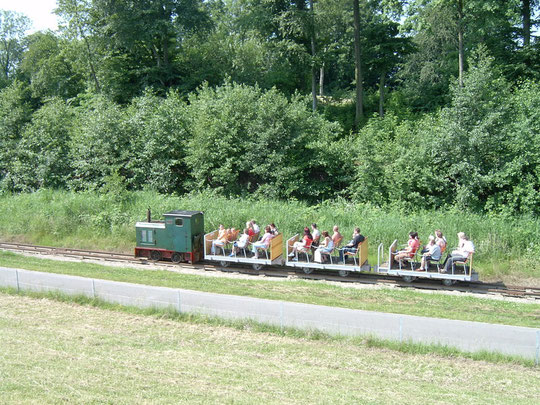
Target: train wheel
[(155, 255), (223, 263), (176, 257), (344, 273), (409, 279), (447, 282), (257, 266), (307, 270)]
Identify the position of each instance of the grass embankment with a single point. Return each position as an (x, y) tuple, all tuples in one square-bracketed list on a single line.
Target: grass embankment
[(507, 247), (122, 357), (383, 300)]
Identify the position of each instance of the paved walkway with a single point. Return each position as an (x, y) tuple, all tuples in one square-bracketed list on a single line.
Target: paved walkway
[(464, 335)]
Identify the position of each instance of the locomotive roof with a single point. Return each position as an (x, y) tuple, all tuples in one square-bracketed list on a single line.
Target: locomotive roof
[(180, 213)]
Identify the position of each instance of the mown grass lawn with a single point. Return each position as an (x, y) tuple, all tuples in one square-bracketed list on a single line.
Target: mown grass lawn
[(57, 352), (409, 302)]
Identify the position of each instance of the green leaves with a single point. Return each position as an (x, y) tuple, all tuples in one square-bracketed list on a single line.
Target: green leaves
[(246, 140)]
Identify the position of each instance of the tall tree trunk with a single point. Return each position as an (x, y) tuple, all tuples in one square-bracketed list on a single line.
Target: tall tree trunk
[(313, 67), (321, 80), (358, 68), (526, 13), (381, 95), (461, 52), (91, 63), (166, 51)]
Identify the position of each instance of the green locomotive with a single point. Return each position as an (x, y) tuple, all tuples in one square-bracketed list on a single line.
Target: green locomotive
[(179, 237)]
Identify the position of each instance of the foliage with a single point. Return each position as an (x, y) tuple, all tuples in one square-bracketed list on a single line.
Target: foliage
[(12, 28), (181, 95), (100, 143), (158, 132), (14, 115), (507, 246), (245, 140), (479, 153), (49, 65), (43, 151)]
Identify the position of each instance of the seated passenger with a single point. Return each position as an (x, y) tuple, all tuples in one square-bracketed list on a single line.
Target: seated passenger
[(232, 235), (273, 229), (316, 235), (263, 243), (410, 250), (440, 240), (221, 239), (255, 227), (433, 253), (326, 246), (352, 246), (461, 254), (336, 237), (240, 243), (251, 232), (306, 242)]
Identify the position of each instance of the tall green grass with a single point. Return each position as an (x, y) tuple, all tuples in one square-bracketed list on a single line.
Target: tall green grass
[(506, 246)]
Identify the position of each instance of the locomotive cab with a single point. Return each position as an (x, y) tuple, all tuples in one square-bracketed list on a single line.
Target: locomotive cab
[(178, 238)]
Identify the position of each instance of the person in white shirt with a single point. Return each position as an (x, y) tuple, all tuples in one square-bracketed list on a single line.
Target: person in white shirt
[(433, 253), (462, 253), (316, 235), (256, 228), (240, 243)]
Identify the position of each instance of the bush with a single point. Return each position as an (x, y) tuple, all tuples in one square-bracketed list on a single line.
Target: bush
[(247, 141)]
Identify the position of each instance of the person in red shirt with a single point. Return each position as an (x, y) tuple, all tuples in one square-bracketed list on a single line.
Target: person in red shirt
[(306, 242), (410, 250)]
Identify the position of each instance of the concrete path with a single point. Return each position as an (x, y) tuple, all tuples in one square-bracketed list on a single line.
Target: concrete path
[(464, 335)]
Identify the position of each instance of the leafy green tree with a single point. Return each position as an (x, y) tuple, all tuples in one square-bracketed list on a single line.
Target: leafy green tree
[(99, 146), (13, 26), (49, 66), (158, 135), (43, 151), (443, 31), (76, 24), (517, 184), (141, 40), (245, 140), (15, 112)]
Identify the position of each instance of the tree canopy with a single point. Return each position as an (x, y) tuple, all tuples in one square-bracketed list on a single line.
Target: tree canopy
[(425, 103)]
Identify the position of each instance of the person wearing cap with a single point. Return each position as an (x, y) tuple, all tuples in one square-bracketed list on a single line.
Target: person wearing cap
[(433, 253)]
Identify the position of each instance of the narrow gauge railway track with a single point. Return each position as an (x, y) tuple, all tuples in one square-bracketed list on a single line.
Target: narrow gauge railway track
[(283, 272)]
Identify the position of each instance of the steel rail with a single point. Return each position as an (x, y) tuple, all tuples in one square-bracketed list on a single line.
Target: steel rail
[(283, 272)]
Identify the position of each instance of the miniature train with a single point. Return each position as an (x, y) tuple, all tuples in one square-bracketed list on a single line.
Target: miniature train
[(180, 238)]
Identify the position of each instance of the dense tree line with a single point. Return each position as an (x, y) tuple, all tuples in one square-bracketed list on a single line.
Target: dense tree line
[(424, 102)]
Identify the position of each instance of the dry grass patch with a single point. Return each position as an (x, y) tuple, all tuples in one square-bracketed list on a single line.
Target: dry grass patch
[(57, 352)]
